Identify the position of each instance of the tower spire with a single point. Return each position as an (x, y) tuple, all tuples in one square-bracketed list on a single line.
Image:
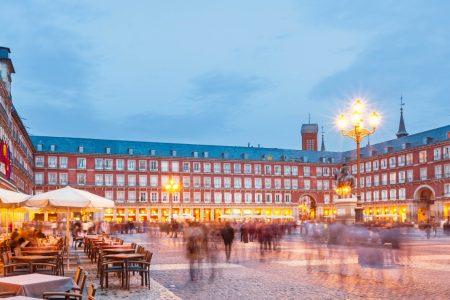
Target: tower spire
[(322, 146), (401, 127)]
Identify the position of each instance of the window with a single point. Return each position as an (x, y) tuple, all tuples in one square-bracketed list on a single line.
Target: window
[(175, 166), (376, 195), (207, 197), (277, 183), (383, 163), (384, 179), (186, 167), (217, 197), (409, 159), (295, 184), (197, 197), (217, 182), (196, 167), (368, 196), (237, 183), (120, 196), (368, 166), (409, 175), (131, 180), (131, 165), (294, 171), (257, 169), (326, 199), (361, 182), (402, 194), (154, 197), (226, 168), (307, 184), (306, 171), (153, 180), (227, 182), (376, 180), (81, 163), (63, 162), (186, 197), (375, 165), (109, 179), (142, 165), (120, 165), (248, 183), (197, 181), (277, 198), (237, 168), (368, 181), (164, 166), (287, 198), (248, 198), (401, 160), (384, 195), (237, 198), (318, 171), (131, 196), (326, 171), (207, 168), (63, 178), (207, 182), (447, 189), (268, 198), (186, 181), (153, 165), (217, 168), (258, 183), (142, 180), (81, 179), (277, 170), (437, 153), (142, 196), (52, 162), (164, 197), (99, 163), (392, 162), (120, 179), (227, 197), (247, 169), (393, 178), (287, 184), (52, 178), (39, 161), (98, 179), (267, 169), (423, 156), (401, 177), (267, 183), (438, 171), (392, 194), (287, 170), (108, 164), (423, 173), (109, 195), (447, 171), (446, 152)]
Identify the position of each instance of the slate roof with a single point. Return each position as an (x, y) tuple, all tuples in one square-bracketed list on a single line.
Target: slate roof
[(121, 147)]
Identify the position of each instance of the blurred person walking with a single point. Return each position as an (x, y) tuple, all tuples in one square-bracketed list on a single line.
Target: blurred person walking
[(227, 233)]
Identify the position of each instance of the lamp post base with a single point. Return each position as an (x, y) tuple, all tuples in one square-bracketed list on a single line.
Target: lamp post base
[(346, 210)]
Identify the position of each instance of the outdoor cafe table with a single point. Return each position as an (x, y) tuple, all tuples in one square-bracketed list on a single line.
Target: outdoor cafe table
[(126, 257), (34, 285), (119, 250), (33, 258), (40, 252)]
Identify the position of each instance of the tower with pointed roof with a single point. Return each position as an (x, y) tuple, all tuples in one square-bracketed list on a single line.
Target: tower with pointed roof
[(322, 146), (401, 127)]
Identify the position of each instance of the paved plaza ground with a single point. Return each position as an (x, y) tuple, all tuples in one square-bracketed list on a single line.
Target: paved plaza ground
[(298, 270)]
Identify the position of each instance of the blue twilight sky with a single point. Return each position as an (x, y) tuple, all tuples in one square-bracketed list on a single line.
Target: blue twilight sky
[(225, 72)]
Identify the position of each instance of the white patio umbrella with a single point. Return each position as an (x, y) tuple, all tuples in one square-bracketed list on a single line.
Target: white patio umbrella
[(70, 199), (11, 199)]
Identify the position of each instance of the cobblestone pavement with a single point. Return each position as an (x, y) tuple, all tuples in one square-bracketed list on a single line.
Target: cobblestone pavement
[(297, 270)]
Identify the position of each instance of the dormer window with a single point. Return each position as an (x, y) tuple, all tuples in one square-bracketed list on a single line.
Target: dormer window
[(224, 155), (39, 147), (205, 154), (244, 155), (152, 152), (195, 154), (80, 149), (52, 148), (173, 153), (130, 151), (406, 145), (108, 150), (427, 140)]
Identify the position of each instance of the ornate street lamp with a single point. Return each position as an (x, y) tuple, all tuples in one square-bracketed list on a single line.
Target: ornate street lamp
[(357, 124), (171, 187)]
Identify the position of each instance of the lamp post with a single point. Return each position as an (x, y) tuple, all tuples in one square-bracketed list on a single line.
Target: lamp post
[(171, 187), (357, 123)]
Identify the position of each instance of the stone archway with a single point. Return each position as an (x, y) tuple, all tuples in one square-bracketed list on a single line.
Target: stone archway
[(423, 209), (307, 207)]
